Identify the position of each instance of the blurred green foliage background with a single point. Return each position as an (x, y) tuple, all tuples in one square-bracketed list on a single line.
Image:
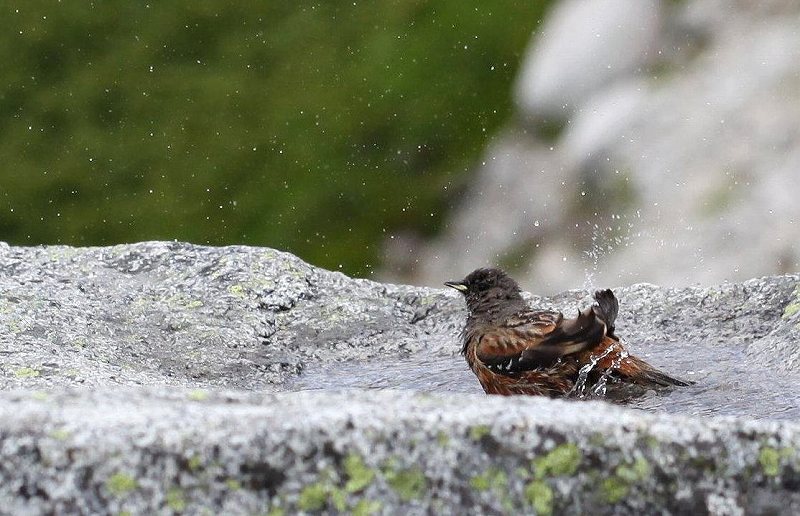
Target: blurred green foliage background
[(314, 127)]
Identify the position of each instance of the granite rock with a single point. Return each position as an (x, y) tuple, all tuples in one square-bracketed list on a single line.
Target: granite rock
[(145, 451), (169, 378)]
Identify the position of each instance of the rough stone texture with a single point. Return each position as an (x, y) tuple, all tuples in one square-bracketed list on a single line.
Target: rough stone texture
[(177, 314), (781, 346), (146, 379), (145, 451), (161, 313), (688, 154)]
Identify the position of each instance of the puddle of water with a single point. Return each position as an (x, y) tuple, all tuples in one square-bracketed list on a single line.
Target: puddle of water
[(728, 383), (416, 373)]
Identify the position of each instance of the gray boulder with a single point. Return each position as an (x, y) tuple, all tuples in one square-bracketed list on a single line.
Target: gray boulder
[(171, 378)]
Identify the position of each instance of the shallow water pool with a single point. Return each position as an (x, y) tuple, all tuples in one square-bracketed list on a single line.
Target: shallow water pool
[(728, 383)]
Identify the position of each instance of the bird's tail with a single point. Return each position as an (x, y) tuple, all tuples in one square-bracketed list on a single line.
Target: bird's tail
[(606, 307), (631, 369), (635, 370)]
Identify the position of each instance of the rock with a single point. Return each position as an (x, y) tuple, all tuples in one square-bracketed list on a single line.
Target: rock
[(172, 378), (161, 313), (779, 349), (145, 451), (583, 47)]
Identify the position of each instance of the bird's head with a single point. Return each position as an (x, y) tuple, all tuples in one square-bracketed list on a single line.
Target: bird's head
[(485, 289)]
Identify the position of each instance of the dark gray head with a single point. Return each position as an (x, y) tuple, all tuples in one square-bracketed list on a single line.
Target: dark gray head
[(489, 291)]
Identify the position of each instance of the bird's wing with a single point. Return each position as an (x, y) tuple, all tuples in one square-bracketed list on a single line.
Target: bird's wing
[(530, 340)]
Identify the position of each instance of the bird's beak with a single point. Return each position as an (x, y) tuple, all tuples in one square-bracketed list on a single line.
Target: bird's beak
[(456, 285)]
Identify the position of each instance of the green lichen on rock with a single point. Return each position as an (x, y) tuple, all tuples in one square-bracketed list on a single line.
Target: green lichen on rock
[(522, 473), (338, 498), (442, 438), (327, 492), (616, 487), (60, 434), (478, 432), (560, 461), (409, 484), (493, 478), (198, 395), (313, 497), (194, 463), (236, 290), (540, 496), (359, 476), (26, 372), (120, 484), (770, 461), (233, 485), (651, 442), (636, 472), (563, 460), (176, 499), (613, 489), (367, 507), (794, 306)]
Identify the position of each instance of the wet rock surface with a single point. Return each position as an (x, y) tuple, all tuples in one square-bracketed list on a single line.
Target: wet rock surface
[(176, 314), (158, 377)]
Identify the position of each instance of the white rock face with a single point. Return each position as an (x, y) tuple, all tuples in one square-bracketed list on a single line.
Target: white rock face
[(682, 171), (584, 46)]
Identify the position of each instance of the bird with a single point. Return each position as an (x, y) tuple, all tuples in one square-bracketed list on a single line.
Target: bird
[(515, 349)]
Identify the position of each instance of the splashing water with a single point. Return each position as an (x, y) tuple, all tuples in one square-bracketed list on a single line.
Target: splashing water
[(583, 389), (579, 389), (605, 241), (599, 388)]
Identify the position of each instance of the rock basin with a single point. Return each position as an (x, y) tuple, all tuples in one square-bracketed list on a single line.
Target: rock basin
[(172, 378)]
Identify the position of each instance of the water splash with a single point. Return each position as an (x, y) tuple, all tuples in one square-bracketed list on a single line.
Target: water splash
[(585, 389), (599, 388), (582, 383), (607, 236)]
